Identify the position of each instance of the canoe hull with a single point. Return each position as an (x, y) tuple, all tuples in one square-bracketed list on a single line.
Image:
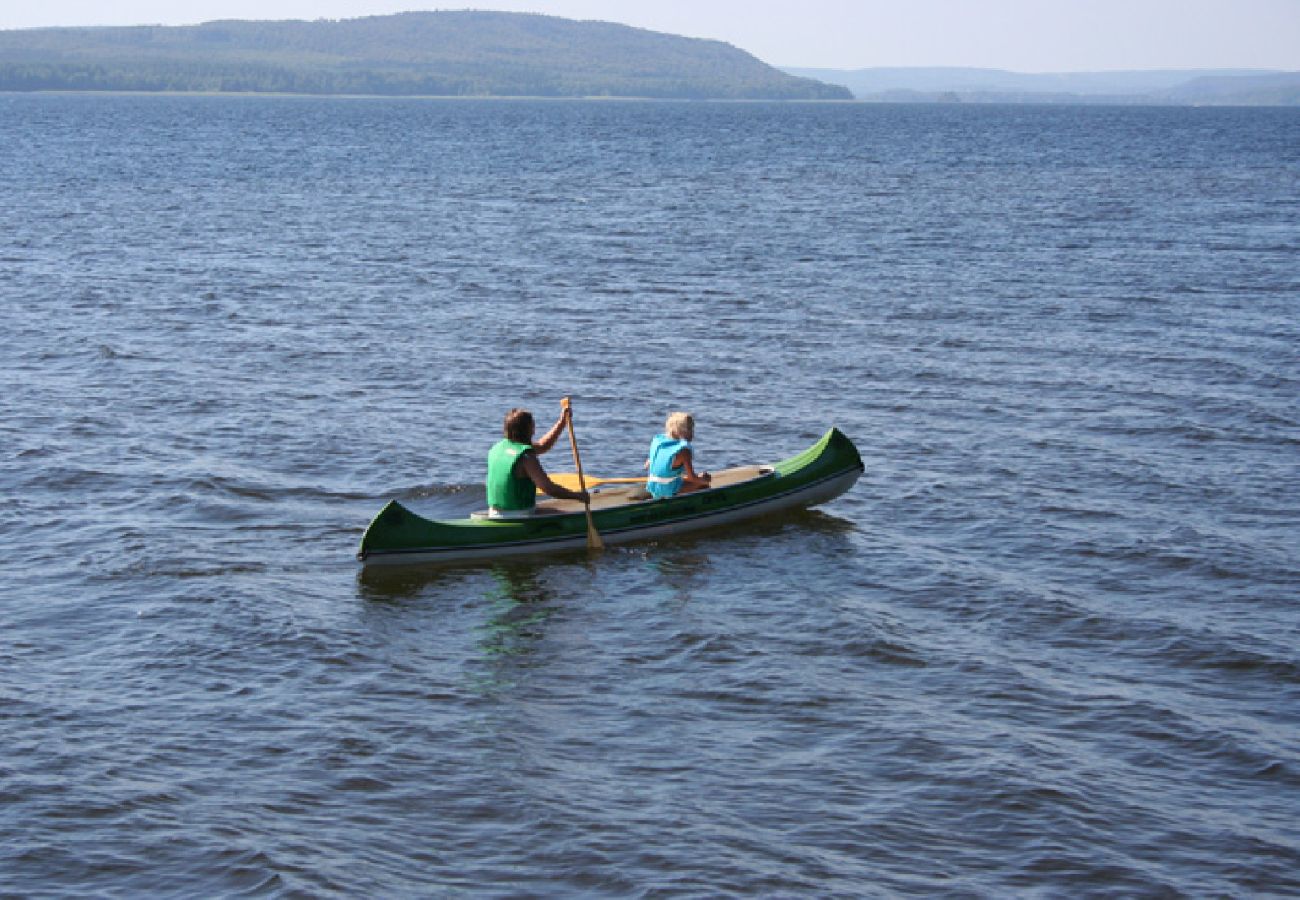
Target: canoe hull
[(398, 536)]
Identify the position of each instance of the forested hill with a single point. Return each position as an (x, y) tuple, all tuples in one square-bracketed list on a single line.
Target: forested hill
[(418, 53)]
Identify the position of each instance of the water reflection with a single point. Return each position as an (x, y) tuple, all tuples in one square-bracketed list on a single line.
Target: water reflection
[(519, 605), (799, 524), (404, 582), (680, 572), (389, 584), (498, 612), (518, 597)]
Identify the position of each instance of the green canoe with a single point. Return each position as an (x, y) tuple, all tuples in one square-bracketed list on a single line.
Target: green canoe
[(622, 513)]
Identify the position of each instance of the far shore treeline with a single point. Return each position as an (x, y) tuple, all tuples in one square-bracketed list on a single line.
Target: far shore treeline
[(1165, 87), (428, 53)]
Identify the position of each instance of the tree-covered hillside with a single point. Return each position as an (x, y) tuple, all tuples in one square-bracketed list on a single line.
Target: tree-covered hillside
[(427, 53)]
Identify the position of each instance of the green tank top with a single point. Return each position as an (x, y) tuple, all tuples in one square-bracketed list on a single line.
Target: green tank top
[(507, 488)]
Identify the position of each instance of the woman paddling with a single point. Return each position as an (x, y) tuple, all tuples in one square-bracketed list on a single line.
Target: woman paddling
[(515, 475)]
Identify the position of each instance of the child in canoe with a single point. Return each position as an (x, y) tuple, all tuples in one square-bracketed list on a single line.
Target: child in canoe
[(670, 465)]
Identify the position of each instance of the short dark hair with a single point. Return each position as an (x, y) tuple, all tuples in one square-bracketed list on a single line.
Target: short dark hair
[(519, 426)]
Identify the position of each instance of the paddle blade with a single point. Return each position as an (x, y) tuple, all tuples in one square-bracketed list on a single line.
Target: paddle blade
[(570, 480), (593, 536)]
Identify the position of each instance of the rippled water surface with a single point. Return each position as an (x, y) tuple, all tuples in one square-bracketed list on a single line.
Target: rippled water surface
[(1046, 646)]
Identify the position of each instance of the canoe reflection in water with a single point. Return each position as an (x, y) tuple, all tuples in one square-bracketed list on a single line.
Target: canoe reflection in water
[(520, 605)]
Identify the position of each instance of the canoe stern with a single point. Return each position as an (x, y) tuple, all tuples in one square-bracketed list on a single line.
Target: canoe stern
[(833, 453)]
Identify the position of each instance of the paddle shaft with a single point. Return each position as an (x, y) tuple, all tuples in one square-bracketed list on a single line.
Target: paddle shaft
[(593, 537)]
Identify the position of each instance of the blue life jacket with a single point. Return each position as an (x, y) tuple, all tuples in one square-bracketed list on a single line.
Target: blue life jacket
[(665, 480)]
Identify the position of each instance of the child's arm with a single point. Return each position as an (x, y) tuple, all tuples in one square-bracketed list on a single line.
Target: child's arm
[(684, 459)]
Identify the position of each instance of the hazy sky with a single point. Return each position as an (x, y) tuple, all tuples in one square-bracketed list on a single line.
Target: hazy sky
[(1021, 35)]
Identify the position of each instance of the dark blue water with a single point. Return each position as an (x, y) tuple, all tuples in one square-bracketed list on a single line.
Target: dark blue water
[(1047, 646)]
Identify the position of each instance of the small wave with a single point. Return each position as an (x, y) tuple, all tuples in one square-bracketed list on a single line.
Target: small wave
[(1080, 512), (428, 491), (178, 568), (1219, 557), (1215, 653), (243, 489), (884, 651)]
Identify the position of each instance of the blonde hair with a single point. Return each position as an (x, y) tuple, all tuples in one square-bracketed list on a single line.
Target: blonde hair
[(680, 425)]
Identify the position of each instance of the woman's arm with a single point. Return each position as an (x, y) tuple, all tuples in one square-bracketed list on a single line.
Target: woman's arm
[(533, 469), (548, 440)]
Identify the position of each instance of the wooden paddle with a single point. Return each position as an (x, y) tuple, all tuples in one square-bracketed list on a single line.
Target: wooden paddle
[(593, 537), (570, 480)]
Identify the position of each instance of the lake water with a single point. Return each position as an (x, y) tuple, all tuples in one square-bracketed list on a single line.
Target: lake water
[(1049, 645)]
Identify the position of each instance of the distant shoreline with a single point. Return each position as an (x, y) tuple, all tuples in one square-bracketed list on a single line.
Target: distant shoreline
[(595, 98), (497, 98), (1154, 87)]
